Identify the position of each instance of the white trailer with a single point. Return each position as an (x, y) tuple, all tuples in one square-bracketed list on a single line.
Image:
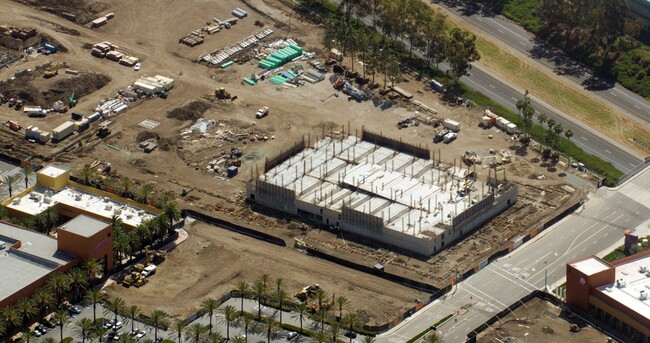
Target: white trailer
[(452, 125), (62, 131)]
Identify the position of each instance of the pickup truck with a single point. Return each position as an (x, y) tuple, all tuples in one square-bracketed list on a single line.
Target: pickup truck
[(262, 112)]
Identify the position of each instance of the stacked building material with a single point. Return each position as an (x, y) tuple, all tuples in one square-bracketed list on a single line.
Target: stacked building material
[(280, 57)]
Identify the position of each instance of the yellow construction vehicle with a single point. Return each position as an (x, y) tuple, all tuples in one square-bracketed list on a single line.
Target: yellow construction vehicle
[(221, 94), (52, 71), (155, 256)]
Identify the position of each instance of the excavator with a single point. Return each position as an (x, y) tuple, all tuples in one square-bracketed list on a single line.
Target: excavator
[(72, 100), (52, 71)]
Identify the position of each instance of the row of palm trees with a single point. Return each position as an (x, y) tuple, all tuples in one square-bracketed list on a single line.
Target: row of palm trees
[(11, 180), (58, 287)]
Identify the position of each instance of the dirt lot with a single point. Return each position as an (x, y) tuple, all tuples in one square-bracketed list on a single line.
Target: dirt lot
[(150, 32), (546, 323), (213, 260)]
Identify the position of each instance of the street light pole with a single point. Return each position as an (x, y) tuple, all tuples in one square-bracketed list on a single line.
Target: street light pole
[(526, 336)]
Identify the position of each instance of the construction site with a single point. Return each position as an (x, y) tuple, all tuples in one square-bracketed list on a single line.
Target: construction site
[(258, 126)]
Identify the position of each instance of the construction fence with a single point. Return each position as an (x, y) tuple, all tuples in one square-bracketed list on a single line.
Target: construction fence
[(284, 155), (397, 145)]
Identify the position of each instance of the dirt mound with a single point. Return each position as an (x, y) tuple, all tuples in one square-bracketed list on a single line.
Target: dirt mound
[(24, 89), (83, 10), (144, 135), (192, 111)]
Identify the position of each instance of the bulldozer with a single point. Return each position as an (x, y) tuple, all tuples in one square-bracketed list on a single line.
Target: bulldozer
[(221, 94), (155, 256), (307, 292), (52, 71)]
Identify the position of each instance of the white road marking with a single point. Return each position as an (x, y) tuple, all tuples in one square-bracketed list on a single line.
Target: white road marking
[(636, 106), (522, 43), (612, 93), (632, 164), (513, 98), (499, 30), (491, 85), (479, 19), (584, 138), (607, 151)]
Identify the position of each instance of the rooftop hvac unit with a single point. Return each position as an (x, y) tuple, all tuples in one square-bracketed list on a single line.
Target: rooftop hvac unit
[(47, 200), (129, 216), (48, 193), (16, 201), (608, 289), (643, 295), (643, 269), (77, 197), (106, 199), (117, 210), (620, 283), (108, 207), (33, 195)]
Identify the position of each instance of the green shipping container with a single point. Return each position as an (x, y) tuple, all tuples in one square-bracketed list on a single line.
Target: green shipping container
[(249, 81), (227, 64), (296, 48)]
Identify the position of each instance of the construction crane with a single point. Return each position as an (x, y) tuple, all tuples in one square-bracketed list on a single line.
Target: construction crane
[(72, 100)]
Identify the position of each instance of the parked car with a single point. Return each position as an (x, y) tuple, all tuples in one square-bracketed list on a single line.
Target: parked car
[(118, 325), (158, 340), (74, 310), (350, 334), (36, 333), (137, 67), (140, 334), (292, 335)]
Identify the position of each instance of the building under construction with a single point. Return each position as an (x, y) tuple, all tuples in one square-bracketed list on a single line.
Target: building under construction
[(382, 189)]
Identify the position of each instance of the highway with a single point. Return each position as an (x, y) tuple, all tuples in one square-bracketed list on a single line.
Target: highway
[(594, 229), (518, 39), (507, 95)]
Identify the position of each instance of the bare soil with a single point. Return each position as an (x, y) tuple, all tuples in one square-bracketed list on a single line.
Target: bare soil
[(213, 260), (544, 322)]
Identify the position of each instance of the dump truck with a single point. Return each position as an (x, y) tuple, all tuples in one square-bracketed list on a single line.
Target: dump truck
[(262, 112)]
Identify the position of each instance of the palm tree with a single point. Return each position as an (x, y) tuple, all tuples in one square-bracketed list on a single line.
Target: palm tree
[(83, 328), (215, 337), (12, 319), (125, 338), (93, 297), (541, 119), (568, 134), (99, 331), (270, 327), (134, 312), (322, 316), (115, 305), (265, 279), (164, 197), (342, 303), (278, 283), (243, 289), (281, 296), (334, 331), (27, 171), (432, 338), (229, 314), (78, 281), (171, 212), (144, 193), (351, 322), (320, 296), (93, 268), (247, 320), (43, 299), (61, 316), (259, 290), (368, 339), (209, 305), (38, 223), (179, 327), (26, 309), (302, 309), (239, 339), (195, 332), (10, 181), (51, 217), (87, 173), (125, 187), (27, 336), (59, 283), (158, 319), (318, 337), (48, 340)]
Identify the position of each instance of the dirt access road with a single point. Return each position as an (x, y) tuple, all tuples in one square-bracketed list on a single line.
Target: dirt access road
[(213, 260)]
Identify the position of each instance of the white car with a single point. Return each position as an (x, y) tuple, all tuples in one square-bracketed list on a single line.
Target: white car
[(118, 325), (137, 67), (140, 334), (292, 335)]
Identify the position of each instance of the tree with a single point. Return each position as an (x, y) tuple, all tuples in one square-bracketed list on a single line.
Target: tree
[(209, 306), (87, 173), (216, 337), (126, 187), (259, 289), (342, 303), (195, 332), (38, 223), (48, 340), (320, 295), (26, 172), (461, 52), (83, 328), (368, 339), (44, 300), (93, 297), (322, 316), (319, 337), (126, 338), (432, 338), (27, 335), (179, 327), (271, 327), (171, 212), (99, 331), (116, 305), (334, 332), (301, 310), (59, 283), (351, 322), (26, 309), (436, 38), (10, 181), (158, 320), (239, 339), (78, 281), (144, 193), (229, 313), (247, 320), (12, 319), (93, 268), (134, 312), (568, 134), (61, 316), (51, 217), (243, 289), (557, 131), (541, 119), (281, 296)]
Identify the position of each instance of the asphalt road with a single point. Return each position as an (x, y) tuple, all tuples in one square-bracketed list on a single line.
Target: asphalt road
[(585, 137), (517, 38), (593, 230)]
